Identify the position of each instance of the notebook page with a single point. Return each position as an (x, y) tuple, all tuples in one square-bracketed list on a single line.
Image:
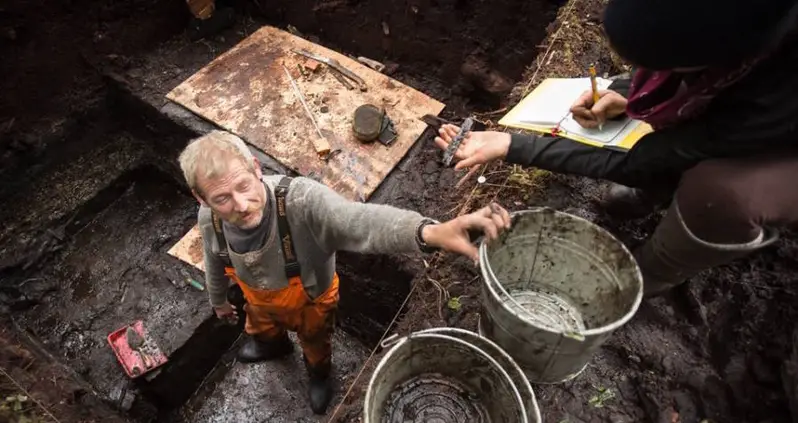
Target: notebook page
[(607, 135), (554, 98)]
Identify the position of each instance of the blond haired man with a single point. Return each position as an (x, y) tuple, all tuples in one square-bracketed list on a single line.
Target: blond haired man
[(276, 237)]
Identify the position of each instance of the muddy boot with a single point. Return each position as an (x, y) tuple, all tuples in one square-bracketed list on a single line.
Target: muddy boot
[(674, 254), (320, 391), (203, 28), (623, 201), (258, 349)]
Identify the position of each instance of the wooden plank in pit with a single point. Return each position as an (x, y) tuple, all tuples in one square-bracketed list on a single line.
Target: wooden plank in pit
[(189, 249), (247, 92)]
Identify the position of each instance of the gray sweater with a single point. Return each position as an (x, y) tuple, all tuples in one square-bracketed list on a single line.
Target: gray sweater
[(321, 223)]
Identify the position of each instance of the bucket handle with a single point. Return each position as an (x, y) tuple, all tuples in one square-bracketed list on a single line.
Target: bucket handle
[(495, 282), (576, 336), (390, 341)]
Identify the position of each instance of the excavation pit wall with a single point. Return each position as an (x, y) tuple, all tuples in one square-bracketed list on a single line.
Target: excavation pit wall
[(718, 349), (93, 258), (98, 200)]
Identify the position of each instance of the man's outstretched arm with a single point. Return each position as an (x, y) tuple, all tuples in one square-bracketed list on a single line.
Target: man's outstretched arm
[(340, 224)]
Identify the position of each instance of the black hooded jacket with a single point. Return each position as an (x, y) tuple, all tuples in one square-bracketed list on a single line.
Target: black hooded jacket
[(756, 115)]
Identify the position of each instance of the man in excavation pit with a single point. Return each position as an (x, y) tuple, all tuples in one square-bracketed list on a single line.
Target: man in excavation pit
[(276, 237)]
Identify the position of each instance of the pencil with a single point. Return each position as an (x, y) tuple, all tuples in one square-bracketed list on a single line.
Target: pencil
[(594, 88)]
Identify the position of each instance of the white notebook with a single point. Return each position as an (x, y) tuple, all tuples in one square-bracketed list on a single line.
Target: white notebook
[(547, 109)]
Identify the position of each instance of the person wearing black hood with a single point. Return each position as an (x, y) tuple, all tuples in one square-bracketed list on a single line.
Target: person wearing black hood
[(718, 82)]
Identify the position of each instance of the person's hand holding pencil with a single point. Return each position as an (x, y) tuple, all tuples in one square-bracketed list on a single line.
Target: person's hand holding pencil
[(594, 90), (595, 106)]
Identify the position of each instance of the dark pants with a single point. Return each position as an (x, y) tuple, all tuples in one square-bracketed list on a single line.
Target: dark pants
[(728, 201)]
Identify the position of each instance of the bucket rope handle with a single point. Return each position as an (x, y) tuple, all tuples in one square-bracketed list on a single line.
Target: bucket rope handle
[(568, 334)]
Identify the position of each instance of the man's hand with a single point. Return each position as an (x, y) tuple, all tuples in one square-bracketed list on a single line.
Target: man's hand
[(453, 235), (589, 115), (476, 148), (226, 313)]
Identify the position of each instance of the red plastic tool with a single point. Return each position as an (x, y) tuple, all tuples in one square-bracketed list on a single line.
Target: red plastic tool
[(132, 360)]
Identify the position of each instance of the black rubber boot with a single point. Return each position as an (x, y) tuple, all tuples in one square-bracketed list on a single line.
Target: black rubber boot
[(256, 349), (320, 391), (674, 254), (623, 201), (203, 28)]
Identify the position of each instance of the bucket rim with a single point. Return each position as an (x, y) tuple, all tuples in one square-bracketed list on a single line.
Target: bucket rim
[(486, 270), (408, 338), (503, 353)]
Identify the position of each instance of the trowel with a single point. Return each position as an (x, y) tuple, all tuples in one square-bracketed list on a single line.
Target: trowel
[(136, 343)]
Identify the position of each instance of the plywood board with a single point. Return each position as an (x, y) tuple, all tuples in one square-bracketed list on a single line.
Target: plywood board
[(247, 92), (189, 249)]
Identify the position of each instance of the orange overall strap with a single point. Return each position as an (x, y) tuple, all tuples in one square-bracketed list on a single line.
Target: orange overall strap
[(220, 240), (293, 271), (292, 268)]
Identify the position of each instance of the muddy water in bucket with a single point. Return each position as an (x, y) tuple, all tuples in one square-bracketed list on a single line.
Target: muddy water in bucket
[(447, 375), (554, 288)]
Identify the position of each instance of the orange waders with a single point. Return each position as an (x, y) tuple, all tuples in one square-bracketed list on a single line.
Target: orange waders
[(271, 312)]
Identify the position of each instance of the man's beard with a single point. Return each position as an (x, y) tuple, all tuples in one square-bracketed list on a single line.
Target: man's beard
[(238, 218)]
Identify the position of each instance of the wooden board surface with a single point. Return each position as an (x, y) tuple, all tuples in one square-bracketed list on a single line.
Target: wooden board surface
[(247, 92), (189, 249)]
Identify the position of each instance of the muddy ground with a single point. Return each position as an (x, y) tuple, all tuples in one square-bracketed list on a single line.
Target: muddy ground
[(718, 349), (713, 349), (93, 205), (33, 386)]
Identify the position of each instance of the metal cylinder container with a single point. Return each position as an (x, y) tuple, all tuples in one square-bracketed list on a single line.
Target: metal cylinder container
[(447, 375), (554, 288)]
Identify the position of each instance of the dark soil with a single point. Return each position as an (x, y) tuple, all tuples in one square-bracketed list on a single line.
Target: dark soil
[(712, 349), (92, 205), (48, 84), (45, 386), (465, 54), (718, 349)]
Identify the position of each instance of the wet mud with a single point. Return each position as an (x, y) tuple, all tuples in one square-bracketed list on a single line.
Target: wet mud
[(60, 392), (274, 391), (110, 269), (92, 200), (95, 200), (719, 348)]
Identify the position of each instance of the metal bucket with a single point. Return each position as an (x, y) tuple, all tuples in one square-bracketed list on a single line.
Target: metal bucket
[(447, 375), (554, 288)]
